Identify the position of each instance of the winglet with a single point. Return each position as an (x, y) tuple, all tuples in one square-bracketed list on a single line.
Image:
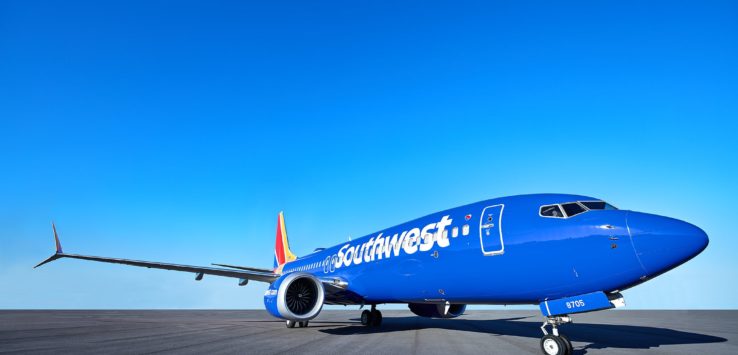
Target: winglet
[(56, 239), (59, 253)]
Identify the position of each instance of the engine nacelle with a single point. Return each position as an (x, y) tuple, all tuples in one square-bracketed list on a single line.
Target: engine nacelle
[(297, 296), (437, 310)]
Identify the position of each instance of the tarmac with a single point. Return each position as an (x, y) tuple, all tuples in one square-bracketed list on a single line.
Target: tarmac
[(339, 332)]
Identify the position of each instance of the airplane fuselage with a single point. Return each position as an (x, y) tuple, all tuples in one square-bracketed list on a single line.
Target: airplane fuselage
[(503, 251)]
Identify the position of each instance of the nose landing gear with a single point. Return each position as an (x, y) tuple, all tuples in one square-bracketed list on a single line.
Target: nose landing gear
[(371, 318), (555, 343)]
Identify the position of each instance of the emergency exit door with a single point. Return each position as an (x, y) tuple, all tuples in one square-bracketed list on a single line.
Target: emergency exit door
[(490, 230)]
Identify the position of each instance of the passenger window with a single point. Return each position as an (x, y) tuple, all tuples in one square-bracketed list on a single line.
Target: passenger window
[(455, 232), (552, 211), (465, 229), (428, 238), (573, 209)]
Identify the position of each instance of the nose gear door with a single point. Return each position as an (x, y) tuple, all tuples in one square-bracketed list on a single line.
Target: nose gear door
[(490, 230)]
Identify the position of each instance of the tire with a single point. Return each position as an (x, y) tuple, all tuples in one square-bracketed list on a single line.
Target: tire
[(291, 324), (366, 317), (552, 345), (301, 324), (376, 318), (567, 344)]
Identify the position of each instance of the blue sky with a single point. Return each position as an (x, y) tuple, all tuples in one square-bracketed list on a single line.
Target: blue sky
[(176, 131)]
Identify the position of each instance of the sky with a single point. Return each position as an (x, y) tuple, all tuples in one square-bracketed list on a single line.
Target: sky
[(176, 132)]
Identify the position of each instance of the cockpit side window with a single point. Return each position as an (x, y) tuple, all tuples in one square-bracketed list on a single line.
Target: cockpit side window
[(551, 211), (598, 205), (573, 209)]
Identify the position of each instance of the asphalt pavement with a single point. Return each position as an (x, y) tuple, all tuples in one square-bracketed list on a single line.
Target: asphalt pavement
[(339, 332)]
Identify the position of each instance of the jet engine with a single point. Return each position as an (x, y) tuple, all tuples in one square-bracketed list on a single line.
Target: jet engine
[(295, 296), (437, 310)]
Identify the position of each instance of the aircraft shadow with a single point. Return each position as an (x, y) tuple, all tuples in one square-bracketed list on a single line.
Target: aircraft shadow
[(596, 336)]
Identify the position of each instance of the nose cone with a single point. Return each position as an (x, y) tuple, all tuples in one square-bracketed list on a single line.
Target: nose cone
[(663, 243)]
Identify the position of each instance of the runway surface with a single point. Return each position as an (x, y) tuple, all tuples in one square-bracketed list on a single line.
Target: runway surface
[(339, 332)]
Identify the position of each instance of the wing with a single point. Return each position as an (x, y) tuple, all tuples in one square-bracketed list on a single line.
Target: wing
[(247, 268), (262, 275)]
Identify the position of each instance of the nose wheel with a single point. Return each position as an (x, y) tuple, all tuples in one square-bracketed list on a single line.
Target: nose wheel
[(371, 318), (555, 343)]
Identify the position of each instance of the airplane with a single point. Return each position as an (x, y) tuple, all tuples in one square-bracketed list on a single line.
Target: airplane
[(568, 254)]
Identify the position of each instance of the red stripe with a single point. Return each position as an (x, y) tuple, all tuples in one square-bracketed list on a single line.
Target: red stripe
[(278, 247)]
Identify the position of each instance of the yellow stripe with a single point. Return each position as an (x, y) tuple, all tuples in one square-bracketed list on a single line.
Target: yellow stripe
[(288, 255)]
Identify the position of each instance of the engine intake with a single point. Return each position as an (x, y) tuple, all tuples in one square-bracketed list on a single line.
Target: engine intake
[(437, 310), (296, 296)]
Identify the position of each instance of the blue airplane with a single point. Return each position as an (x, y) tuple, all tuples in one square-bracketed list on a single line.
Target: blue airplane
[(567, 254)]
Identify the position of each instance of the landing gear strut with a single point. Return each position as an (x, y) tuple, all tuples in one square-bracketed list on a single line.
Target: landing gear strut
[(371, 318), (555, 343)]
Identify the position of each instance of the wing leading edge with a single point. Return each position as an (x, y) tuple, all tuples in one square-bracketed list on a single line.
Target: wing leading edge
[(262, 275)]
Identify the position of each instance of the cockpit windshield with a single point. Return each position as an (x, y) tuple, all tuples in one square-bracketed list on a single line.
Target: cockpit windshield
[(571, 209), (598, 205)]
